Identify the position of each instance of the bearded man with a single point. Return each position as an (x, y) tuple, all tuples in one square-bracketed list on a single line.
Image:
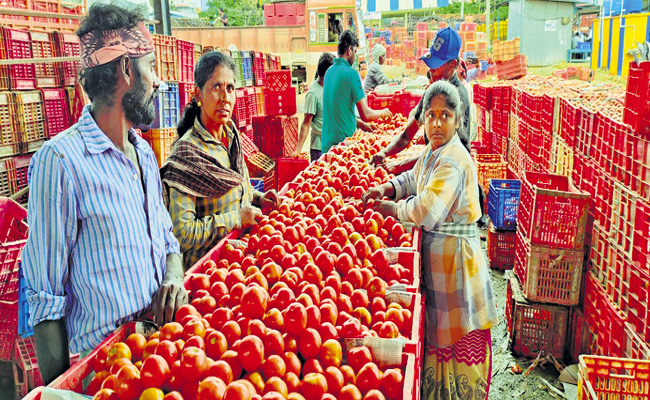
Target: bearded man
[(101, 249)]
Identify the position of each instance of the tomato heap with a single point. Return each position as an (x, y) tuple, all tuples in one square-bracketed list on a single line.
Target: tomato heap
[(265, 320)]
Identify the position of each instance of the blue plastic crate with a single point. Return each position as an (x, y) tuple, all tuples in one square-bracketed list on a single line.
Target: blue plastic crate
[(484, 65), (584, 45), (167, 107), (247, 65), (503, 203), (258, 184), (24, 329)]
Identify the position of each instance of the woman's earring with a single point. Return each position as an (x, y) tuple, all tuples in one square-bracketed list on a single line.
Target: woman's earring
[(199, 103)]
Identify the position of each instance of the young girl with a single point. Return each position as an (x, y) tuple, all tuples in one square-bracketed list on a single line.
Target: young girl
[(440, 194)]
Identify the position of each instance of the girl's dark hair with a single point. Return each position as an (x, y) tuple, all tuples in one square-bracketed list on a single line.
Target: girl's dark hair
[(324, 62), (100, 82), (202, 73)]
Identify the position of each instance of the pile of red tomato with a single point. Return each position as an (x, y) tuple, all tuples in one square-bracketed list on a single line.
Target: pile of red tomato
[(267, 313)]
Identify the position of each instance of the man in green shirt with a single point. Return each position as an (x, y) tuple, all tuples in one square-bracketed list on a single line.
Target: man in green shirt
[(341, 91), (314, 110)]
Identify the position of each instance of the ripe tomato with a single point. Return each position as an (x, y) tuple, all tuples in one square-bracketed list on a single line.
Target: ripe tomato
[(392, 384), (292, 363), (183, 311), (109, 383), (251, 353), (119, 364), (276, 384), (127, 383), (313, 386), (117, 351), (193, 364), (173, 396), (194, 327), (232, 358), (154, 372), (349, 392), (211, 388), (331, 353), (368, 378), (175, 381), (105, 394), (232, 331), (374, 395), (99, 363), (295, 319), (310, 343), (237, 391), (136, 343), (335, 380), (152, 394), (348, 374), (96, 383), (273, 342), (221, 370), (194, 341), (168, 351), (274, 366), (216, 344)]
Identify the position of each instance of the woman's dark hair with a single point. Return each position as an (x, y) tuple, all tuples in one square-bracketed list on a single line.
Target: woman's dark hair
[(347, 40), (100, 82), (324, 62), (202, 73), (452, 97)]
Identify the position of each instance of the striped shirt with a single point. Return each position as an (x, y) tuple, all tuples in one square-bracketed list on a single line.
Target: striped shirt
[(99, 234), (441, 196), (199, 223)]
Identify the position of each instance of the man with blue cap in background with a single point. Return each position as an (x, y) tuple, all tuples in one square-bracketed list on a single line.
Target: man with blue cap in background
[(442, 60)]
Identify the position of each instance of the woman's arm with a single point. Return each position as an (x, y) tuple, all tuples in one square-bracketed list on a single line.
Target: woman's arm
[(193, 232)]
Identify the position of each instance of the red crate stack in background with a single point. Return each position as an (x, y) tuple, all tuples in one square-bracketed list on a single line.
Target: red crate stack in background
[(43, 46), (57, 114), (186, 61), (17, 45), (67, 45), (166, 64)]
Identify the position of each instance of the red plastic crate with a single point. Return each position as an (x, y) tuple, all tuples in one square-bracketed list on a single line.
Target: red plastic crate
[(579, 335), (488, 167), (288, 169), (241, 108), (599, 253), (47, 75), (624, 204), (277, 81), (186, 62), (637, 104), (67, 45), (260, 64), (185, 94), (593, 303), (612, 378), (248, 146), (409, 102), (22, 166), (51, 6), (16, 4), (638, 302), (13, 236), (57, 114), (9, 133), (635, 346), (641, 250), (30, 113), (280, 103), (166, 57), (501, 248), (548, 275), (251, 102), (7, 177), (534, 327), (276, 136), (26, 357), (617, 283), (259, 101), (552, 212), (391, 101), (18, 45)]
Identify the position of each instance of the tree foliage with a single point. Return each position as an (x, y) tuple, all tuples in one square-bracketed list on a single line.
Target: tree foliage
[(239, 12), (498, 13)]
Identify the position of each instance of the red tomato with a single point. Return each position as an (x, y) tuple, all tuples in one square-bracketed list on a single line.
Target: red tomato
[(232, 358), (237, 391), (168, 351), (127, 383), (274, 366), (392, 384), (193, 364), (368, 378), (251, 353), (313, 386), (154, 372), (105, 394), (96, 383), (220, 369), (211, 388), (173, 396), (295, 319), (136, 343), (117, 351)]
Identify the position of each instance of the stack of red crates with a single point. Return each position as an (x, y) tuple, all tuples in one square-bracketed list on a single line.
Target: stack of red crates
[(637, 98), (279, 95), (186, 63), (67, 45), (513, 68), (17, 45), (276, 136)]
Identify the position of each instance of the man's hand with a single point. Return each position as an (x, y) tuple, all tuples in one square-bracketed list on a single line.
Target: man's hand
[(249, 216), (171, 295), (269, 199), (378, 159), (386, 113), (385, 208), (375, 193), (364, 126)]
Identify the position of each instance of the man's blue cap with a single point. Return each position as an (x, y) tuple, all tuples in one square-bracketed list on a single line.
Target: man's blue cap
[(446, 46)]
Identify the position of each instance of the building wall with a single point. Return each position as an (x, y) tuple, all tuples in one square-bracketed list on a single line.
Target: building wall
[(394, 5), (613, 37), (528, 20)]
